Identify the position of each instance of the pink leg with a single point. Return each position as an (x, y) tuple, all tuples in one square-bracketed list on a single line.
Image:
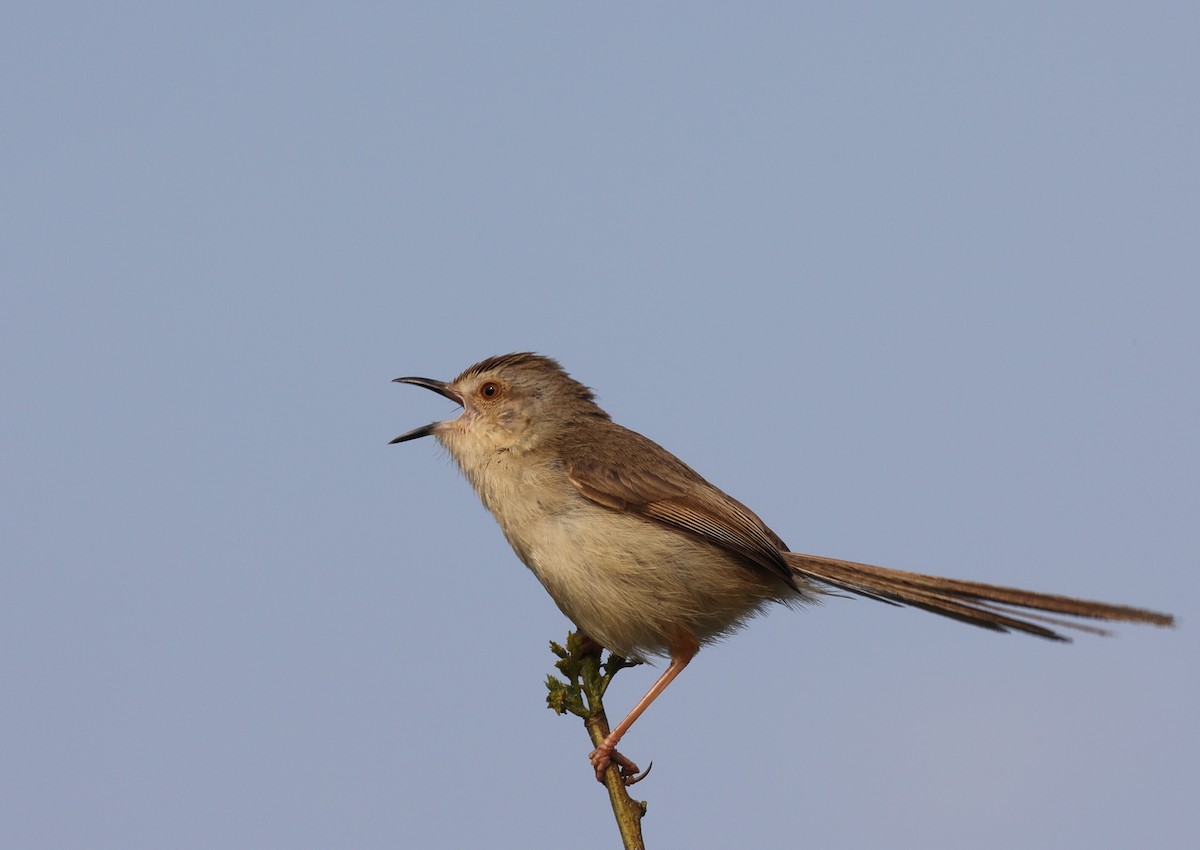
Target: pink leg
[(682, 651)]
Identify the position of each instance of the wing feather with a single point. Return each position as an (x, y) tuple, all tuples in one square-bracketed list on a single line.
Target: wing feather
[(658, 486)]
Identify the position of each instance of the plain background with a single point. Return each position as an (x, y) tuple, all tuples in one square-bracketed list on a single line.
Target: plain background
[(917, 282)]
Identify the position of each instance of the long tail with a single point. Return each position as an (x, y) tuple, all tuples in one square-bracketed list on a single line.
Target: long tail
[(986, 605)]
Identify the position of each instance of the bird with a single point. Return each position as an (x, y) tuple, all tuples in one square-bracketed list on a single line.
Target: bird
[(650, 560)]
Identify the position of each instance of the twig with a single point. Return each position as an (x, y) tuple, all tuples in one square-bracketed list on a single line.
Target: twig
[(582, 694)]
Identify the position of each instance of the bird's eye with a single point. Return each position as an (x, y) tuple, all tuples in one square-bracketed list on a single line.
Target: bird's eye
[(489, 390)]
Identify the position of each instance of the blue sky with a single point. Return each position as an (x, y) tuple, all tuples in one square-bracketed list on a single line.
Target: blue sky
[(919, 284)]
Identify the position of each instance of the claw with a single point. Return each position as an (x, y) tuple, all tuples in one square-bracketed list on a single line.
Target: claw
[(636, 777)]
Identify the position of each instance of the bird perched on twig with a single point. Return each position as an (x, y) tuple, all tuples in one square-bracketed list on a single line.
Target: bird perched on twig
[(643, 554)]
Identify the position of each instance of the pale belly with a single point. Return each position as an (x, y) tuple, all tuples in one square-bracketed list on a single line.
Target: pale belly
[(635, 586)]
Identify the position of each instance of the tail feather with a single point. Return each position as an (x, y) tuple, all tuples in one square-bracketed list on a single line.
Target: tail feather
[(1042, 618), (988, 606)]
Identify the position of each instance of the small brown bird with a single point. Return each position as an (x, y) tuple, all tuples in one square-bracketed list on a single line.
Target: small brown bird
[(645, 556)]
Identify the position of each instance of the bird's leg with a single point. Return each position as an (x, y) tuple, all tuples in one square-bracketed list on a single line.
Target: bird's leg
[(683, 650)]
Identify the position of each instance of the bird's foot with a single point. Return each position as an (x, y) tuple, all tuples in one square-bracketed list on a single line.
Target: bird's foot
[(606, 754), (588, 645)]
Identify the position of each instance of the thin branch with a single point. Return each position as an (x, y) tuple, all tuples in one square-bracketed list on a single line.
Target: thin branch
[(582, 694)]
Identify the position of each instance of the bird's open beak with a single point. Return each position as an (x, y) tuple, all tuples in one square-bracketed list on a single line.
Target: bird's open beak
[(439, 387)]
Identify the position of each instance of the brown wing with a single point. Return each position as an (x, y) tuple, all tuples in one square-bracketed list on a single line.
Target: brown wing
[(628, 472)]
